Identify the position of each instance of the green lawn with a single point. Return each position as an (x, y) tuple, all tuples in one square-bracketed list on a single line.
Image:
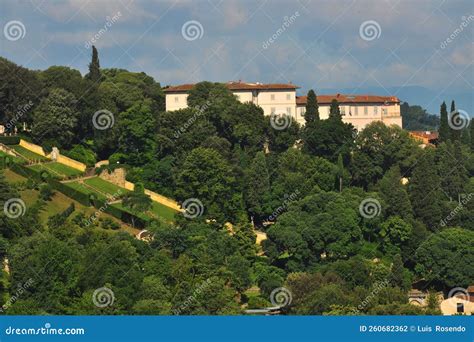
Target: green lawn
[(13, 158), (13, 177), (163, 211), (106, 187), (27, 153), (85, 189), (57, 169)]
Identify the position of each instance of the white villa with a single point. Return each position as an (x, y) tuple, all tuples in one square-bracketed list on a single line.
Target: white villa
[(359, 110)]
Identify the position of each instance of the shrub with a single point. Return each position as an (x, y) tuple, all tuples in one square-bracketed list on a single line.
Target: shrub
[(9, 140), (82, 154), (46, 192)]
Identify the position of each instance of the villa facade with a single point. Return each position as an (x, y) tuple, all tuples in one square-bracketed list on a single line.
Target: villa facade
[(359, 110)]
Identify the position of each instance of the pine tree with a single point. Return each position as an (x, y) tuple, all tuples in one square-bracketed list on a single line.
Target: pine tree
[(334, 111), (94, 67), (455, 132), (395, 195), (444, 129), (312, 109), (424, 190)]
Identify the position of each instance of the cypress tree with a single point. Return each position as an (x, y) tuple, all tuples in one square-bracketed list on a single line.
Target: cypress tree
[(94, 67), (257, 187), (395, 195), (334, 111), (340, 172), (455, 132), (312, 109), (424, 191), (443, 125), (471, 131)]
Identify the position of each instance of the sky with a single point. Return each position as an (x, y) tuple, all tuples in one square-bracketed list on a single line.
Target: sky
[(421, 51)]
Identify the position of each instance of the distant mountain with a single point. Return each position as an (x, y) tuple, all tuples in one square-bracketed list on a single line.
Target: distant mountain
[(415, 95)]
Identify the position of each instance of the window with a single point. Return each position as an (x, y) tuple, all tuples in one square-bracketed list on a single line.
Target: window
[(376, 110), (459, 307), (176, 99), (272, 110), (366, 110), (384, 111), (272, 97), (288, 110), (343, 110), (356, 110), (288, 97)]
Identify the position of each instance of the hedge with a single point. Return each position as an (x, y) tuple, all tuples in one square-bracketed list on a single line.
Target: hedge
[(121, 214), (9, 140), (76, 195)]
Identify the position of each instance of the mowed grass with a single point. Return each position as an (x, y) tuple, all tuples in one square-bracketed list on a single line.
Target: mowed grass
[(27, 153), (163, 211), (12, 177), (106, 187), (84, 189), (12, 158), (57, 169)]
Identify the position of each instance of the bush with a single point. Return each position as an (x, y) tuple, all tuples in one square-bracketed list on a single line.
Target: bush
[(82, 154), (46, 192), (108, 223), (9, 140)]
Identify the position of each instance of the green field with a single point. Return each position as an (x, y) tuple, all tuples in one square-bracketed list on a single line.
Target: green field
[(27, 153), (163, 211), (12, 177), (85, 189), (105, 187), (13, 158), (57, 169)]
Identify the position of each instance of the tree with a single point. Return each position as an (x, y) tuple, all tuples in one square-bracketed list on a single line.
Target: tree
[(424, 190), (204, 175), (394, 233), (94, 67), (451, 170), (312, 109), (471, 134), (455, 132), (447, 257), (137, 200), (257, 188), (395, 195), (444, 130), (335, 111), (55, 119)]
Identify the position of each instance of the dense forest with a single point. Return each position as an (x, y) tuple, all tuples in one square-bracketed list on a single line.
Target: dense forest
[(353, 220)]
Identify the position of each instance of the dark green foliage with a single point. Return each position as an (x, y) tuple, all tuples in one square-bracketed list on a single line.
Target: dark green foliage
[(444, 130), (335, 111), (46, 192), (395, 195), (257, 188), (7, 140), (415, 118), (312, 110), (94, 67)]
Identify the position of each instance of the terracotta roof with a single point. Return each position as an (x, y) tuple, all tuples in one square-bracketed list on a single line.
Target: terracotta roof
[(430, 136), (237, 86), (327, 99)]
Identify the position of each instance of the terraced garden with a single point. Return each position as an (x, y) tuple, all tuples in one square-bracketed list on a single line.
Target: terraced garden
[(105, 187), (57, 169), (28, 154)]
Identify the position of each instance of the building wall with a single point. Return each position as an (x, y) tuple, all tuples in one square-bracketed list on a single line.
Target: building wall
[(360, 115), (284, 102)]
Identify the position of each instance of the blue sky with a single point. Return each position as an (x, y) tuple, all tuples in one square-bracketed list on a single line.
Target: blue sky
[(321, 46)]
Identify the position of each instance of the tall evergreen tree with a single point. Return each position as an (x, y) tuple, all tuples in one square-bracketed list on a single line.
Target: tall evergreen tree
[(339, 172), (334, 111), (94, 67), (443, 126), (312, 109), (395, 195), (455, 132), (257, 187), (424, 190)]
